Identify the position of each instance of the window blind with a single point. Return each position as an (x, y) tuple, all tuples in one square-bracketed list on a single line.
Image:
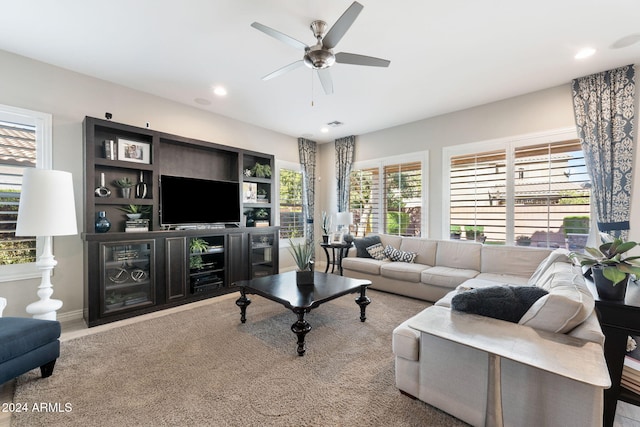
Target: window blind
[(364, 200), (403, 198), (17, 151), (291, 212)]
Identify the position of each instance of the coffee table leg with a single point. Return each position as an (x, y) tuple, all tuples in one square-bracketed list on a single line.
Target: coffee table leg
[(300, 328), (363, 301), (243, 302)]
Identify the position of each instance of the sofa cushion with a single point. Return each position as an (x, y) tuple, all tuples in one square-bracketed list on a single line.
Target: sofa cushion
[(446, 277), (558, 255), (377, 251), (511, 260), (405, 271), (424, 248), (363, 265), (465, 255), (568, 303), (397, 255), (504, 302), (363, 243), (505, 279)]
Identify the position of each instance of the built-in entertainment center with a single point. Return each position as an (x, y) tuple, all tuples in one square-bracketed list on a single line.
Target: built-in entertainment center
[(170, 220)]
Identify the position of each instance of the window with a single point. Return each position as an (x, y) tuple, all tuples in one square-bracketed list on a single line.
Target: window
[(388, 197), (290, 202), (529, 193), (25, 141)]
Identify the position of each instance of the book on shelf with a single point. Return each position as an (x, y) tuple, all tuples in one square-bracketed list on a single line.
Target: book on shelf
[(262, 223), (109, 149), (631, 368), (136, 225)]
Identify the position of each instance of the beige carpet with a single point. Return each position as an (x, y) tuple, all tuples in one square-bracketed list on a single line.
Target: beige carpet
[(202, 367)]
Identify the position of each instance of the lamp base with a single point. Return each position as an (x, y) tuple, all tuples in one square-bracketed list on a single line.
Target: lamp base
[(44, 309)]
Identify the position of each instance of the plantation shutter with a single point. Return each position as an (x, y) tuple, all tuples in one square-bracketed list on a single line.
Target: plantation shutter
[(291, 212), (478, 195), (403, 198), (364, 200), (552, 195), (17, 151)]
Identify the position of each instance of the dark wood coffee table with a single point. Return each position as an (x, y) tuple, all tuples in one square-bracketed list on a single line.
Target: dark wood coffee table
[(282, 288)]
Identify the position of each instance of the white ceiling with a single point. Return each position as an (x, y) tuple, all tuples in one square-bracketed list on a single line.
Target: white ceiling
[(445, 55)]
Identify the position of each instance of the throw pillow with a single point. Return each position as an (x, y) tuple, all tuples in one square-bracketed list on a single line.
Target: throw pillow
[(363, 243), (397, 255), (377, 252), (507, 302)]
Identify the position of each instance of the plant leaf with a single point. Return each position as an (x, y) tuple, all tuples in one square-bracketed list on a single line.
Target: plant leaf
[(613, 274)]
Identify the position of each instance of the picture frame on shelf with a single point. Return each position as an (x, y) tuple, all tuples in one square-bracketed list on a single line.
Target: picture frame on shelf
[(336, 238), (249, 192), (134, 151)]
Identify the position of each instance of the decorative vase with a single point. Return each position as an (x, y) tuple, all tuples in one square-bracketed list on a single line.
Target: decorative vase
[(102, 223), (126, 192), (605, 288), (325, 238), (141, 187), (304, 278)]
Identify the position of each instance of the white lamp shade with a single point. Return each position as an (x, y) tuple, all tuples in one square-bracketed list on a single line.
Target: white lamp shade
[(47, 206), (344, 218)]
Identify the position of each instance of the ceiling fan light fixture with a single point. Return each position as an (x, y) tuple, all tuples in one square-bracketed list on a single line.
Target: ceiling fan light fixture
[(318, 58)]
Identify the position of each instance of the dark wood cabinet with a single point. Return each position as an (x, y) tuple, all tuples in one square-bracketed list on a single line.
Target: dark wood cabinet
[(141, 266)]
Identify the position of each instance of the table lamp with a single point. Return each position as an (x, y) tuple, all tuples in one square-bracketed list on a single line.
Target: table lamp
[(344, 219), (47, 209)]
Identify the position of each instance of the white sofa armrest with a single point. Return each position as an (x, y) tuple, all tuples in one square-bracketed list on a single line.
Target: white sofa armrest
[(3, 304)]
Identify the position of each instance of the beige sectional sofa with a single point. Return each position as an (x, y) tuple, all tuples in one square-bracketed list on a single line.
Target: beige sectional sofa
[(453, 376), (441, 265)]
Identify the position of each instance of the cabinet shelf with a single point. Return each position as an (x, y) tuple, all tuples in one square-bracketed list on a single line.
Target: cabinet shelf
[(119, 164), (125, 285)]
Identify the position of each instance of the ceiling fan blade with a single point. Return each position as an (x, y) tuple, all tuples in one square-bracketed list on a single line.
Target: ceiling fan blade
[(325, 79), (283, 70), (280, 36), (342, 25), (352, 58)]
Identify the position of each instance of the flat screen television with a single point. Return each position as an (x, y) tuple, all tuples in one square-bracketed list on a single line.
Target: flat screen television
[(192, 201)]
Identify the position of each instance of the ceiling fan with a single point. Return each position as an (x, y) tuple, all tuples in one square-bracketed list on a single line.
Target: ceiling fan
[(320, 56)]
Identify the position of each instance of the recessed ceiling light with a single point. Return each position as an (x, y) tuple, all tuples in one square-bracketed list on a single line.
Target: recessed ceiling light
[(220, 91), (585, 53), (324, 130)]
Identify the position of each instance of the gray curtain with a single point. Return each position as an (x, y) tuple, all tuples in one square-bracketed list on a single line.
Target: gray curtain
[(345, 148), (307, 153), (604, 110)]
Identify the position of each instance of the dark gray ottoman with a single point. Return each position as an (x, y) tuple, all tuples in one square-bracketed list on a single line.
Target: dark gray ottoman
[(26, 344)]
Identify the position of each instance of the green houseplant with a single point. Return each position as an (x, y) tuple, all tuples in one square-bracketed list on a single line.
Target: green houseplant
[(326, 226), (610, 267), (135, 211), (125, 185), (261, 171), (302, 254)]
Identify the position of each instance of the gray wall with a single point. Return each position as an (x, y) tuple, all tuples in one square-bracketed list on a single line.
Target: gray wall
[(532, 113), (69, 97)]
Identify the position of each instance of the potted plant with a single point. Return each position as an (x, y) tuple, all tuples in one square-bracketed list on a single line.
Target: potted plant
[(455, 231), (302, 253), (262, 193), (125, 185), (475, 232), (326, 226), (609, 267), (523, 241), (196, 247), (261, 171), (135, 211)]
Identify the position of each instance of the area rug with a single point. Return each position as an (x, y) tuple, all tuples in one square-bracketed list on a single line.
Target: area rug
[(203, 367)]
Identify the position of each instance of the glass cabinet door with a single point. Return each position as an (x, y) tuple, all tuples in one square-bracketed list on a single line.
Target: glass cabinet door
[(127, 275), (262, 254)]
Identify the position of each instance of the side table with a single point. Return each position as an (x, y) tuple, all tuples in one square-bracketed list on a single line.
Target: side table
[(618, 320), (338, 252)]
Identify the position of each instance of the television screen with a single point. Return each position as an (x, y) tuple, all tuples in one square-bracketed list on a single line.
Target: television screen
[(198, 201)]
